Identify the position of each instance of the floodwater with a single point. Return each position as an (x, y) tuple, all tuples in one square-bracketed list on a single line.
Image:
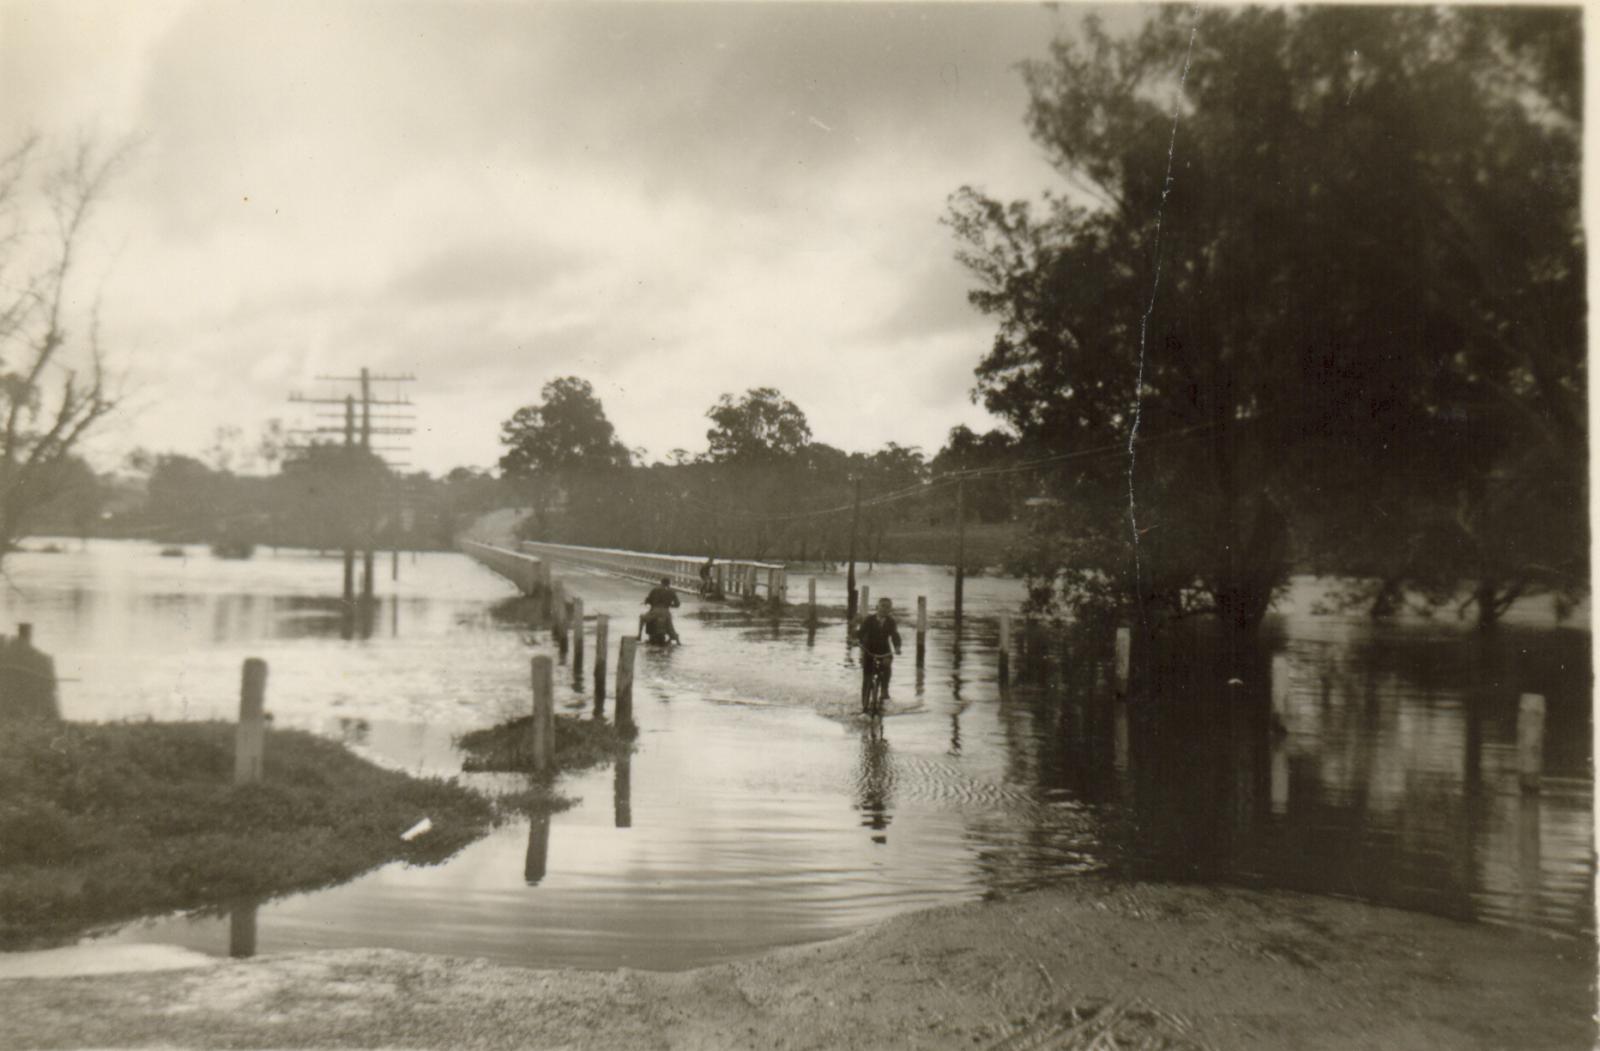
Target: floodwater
[(758, 811)]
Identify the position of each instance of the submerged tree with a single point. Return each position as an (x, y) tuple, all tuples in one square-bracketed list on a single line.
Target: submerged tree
[(1302, 256), (54, 384)]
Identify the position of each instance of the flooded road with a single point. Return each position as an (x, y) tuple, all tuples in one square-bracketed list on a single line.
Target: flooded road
[(758, 811)]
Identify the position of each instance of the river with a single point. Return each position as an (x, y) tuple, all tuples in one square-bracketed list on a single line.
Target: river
[(757, 811)]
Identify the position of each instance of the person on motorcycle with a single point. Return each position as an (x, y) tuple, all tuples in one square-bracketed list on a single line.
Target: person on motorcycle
[(662, 600), (876, 634)]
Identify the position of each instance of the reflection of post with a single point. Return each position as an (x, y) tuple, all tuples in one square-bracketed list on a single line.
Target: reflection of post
[(1119, 734), (543, 742), (250, 736), (922, 630), (1530, 741), (1530, 857), (1005, 648), (577, 641), (242, 930), (533, 867), (1280, 776), (622, 789)]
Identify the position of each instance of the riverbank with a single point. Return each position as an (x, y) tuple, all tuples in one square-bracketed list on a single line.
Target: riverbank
[(1093, 963)]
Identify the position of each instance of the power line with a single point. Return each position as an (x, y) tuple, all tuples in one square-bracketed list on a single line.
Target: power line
[(952, 477)]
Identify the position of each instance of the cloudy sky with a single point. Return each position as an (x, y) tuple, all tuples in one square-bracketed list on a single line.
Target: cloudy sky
[(670, 200)]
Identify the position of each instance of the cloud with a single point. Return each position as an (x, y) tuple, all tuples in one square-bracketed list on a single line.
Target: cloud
[(672, 200)]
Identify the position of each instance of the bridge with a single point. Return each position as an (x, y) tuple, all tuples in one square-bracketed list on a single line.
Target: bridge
[(528, 566)]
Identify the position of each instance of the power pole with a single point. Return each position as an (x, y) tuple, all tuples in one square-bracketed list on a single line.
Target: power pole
[(367, 429), (349, 552), (850, 585), (961, 542)]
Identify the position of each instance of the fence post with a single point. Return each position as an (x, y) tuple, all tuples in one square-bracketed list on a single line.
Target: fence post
[(1005, 648), (865, 609), (1281, 671), (811, 601), (630, 647), (558, 619), (577, 638), (1530, 741), (922, 628), (1124, 658), (250, 737), (602, 629)]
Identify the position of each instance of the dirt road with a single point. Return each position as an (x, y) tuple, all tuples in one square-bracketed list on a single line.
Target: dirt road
[(1093, 964)]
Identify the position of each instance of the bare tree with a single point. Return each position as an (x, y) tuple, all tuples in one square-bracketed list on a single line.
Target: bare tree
[(54, 384)]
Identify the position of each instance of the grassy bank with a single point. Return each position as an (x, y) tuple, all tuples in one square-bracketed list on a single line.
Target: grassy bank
[(101, 823), (580, 744)]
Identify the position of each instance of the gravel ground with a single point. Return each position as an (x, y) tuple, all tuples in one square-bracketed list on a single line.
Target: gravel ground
[(1094, 964)]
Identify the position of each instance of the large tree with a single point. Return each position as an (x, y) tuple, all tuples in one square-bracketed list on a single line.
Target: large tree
[(761, 425), (54, 385), (1300, 257), (567, 430)]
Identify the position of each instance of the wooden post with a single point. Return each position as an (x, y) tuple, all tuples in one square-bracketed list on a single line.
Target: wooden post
[(865, 609), (250, 737), (544, 716), (922, 628), (1124, 658), (577, 638), (1530, 741), (811, 601), (772, 585), (624, 716), (1005, 647), (602, 629), (558, 619)]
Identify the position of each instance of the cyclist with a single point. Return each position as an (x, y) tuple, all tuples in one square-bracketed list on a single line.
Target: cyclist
[(662, 600), (876, 634)]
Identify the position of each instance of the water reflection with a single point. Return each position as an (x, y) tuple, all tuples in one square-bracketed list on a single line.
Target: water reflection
[(537, 859), (1366, 762), (875, 780), (242, 929)]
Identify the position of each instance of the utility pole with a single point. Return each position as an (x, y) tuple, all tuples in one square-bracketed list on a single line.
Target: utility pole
[(349, 552), (366, 447), (363, 432), (961, 542), (850, 585)]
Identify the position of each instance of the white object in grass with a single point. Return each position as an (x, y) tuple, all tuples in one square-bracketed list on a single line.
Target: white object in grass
[(416, 830)]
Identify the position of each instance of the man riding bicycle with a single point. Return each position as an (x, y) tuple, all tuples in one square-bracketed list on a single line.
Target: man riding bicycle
[(877, 632), (662, 600)]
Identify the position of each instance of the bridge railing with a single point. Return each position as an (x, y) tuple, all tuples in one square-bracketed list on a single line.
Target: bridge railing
[(734, 577), (529, 573)]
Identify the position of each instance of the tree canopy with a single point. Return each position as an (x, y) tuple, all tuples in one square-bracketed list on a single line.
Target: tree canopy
[(1301, 259), (567, 430), (760, 425)]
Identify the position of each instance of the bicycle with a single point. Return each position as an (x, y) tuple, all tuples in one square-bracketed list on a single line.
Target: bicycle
[(876, 689)]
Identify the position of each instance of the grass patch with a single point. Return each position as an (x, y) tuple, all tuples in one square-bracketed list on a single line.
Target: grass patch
[(580, 744), (101, 823)]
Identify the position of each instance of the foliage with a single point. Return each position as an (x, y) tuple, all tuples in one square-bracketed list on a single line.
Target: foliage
[(54, 386), (105, 822), (762, 425), (580, 744), (568, 430), (1311, 252)]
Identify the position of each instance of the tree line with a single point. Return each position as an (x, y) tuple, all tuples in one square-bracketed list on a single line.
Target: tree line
[(1315, 276)]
